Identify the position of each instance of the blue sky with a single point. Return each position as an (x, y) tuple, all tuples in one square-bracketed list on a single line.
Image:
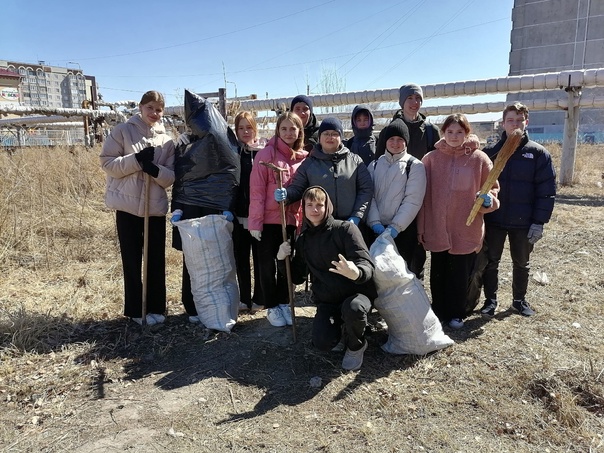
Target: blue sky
[(276, 47)]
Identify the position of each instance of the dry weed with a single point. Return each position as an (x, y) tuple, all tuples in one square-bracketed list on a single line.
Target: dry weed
[(76, 376)]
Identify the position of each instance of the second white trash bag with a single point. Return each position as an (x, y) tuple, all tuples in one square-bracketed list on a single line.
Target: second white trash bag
[(208, 248), (413, 328)]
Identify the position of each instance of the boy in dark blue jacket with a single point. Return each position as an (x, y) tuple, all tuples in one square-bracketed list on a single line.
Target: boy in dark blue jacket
[(527, 194)]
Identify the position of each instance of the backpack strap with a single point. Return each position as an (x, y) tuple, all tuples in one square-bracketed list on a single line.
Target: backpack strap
[(409, 163), (429, 135)]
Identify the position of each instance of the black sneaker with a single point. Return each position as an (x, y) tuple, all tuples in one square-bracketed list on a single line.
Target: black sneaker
[(488, 309), (523, 307)]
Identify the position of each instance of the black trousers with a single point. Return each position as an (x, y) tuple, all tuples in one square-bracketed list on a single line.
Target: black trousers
[(449, 281), (130, 229), (243, 243), (329, 318), (411, 250), (520, 251), (273, 285)]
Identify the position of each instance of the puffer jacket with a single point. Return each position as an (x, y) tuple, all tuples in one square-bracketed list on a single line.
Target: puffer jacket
[(528, 186), (263, 182), (397, 194), (454, 176), (363, 141), (125, 178), (342, 174), (418, 144), (315, 249)]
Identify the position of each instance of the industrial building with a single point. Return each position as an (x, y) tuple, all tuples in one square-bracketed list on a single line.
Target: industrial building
[(552, 36)]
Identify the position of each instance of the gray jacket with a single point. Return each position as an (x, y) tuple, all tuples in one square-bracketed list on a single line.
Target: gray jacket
[(342, 174)]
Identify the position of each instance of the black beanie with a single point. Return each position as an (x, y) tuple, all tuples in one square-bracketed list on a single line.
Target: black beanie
[(301, 98), (397, 128), (332, 123)]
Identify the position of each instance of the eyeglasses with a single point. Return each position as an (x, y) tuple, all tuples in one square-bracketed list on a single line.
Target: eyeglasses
[(330, 135)]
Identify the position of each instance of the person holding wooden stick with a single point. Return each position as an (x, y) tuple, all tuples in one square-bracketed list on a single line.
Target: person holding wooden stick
[(335, 254), (284, 151), (455, 172), (528, 191), (133, 151)]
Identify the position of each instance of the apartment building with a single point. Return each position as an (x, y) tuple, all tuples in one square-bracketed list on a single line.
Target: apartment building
[(42, 85)]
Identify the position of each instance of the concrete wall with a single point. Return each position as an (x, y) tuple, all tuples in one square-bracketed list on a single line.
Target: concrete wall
[(558, 35)]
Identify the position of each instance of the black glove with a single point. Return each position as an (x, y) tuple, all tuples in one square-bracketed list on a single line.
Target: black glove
[(146, 155), (151, 169)]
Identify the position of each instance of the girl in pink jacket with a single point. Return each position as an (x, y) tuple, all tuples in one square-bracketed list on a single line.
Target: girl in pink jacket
[(455, 173), (285, 150)]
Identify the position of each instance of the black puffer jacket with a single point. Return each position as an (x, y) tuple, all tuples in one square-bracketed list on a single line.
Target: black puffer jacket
[(420, 141), (342, 174), (318, 246), (363, 142), (528, 186)]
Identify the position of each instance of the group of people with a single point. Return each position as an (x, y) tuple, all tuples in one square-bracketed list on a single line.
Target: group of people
[(339, 196)]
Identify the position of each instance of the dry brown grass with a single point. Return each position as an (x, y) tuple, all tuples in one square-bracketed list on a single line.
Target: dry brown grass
[(76, 376)]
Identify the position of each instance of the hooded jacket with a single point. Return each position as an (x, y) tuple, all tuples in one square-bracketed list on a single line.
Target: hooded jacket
[(397, 194), (528, 186), (311, 133), (125, 189), (363, 142), (342, 174), (263, 182), (418, 144), (453, 177), (319, 245), (247, 155)]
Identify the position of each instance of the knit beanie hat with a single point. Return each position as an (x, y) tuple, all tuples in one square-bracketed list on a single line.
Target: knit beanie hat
[(301, 98), (332, 123), (397, 128), (407, 90)]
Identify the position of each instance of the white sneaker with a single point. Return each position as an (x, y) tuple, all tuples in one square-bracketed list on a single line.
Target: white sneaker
[(159, 319), (456, 323), (286, 311), (194, 319), (353, 359), (275, 317)]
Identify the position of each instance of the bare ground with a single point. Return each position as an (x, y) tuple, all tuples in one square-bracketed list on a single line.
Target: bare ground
[(76, 376)]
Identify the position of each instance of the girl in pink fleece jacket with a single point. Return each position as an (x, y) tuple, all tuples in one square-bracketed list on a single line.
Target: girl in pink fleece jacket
[(285, 150), (455, 172)]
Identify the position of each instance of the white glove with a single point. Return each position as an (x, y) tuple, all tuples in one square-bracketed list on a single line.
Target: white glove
[(183, 139), (284, 250), (256, 234), (345, 268)]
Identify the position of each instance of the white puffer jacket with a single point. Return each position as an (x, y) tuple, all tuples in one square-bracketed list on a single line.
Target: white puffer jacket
[(125, 178), (396, 198)]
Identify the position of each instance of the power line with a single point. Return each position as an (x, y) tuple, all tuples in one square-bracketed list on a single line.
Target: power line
[(261, 24)]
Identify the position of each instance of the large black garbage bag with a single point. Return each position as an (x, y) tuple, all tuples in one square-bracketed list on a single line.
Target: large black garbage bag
[(207, 169)]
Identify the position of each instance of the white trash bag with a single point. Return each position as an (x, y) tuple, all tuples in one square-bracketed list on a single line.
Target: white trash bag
[(413, 328), (207, 244)]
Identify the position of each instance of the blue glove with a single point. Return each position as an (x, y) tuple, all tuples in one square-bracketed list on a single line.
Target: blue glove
[(229, 215), (280, 194), (176, 215), (354, 220), (392, 231), (487, 200), (378, 228)]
